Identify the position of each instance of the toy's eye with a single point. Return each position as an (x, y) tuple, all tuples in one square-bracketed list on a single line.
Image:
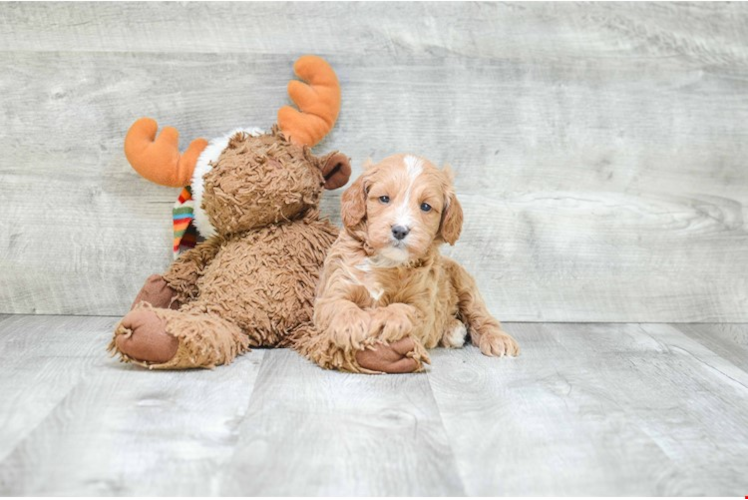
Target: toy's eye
[(384, 199), (425, 207)]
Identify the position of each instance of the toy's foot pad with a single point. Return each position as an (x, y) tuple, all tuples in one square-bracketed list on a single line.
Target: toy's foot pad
[(403, 356), (141, 336)]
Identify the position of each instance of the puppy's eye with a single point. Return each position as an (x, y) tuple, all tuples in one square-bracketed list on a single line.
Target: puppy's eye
[(384, 199), (425, 207)]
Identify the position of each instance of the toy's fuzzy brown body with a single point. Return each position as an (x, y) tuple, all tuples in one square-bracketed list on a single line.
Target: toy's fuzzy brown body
[(262, 281), (253, 282), (255, 197), (255, 290)]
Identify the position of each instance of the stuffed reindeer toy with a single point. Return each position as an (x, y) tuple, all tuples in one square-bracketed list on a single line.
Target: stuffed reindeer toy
[(255, 197)]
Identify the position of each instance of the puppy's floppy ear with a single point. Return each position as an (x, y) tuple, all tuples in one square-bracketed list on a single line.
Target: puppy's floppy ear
[(451, 220), (451, 223), (336, 169), (353, 203)]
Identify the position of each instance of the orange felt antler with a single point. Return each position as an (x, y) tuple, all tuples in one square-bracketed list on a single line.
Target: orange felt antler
[(319, 102), (159, 160)]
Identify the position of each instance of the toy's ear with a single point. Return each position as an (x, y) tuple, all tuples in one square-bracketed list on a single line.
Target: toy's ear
[(353, 204), (336, 169)]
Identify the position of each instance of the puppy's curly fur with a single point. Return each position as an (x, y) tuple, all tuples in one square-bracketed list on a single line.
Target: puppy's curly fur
[(386, 294)]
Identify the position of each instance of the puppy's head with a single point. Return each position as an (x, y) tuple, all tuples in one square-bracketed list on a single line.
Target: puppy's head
[(401, 207)]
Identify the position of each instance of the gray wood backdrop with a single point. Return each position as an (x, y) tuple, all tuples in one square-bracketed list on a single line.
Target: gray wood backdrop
[(600, 148)]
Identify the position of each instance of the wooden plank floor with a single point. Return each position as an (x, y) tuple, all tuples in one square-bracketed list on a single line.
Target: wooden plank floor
[(588, 409)]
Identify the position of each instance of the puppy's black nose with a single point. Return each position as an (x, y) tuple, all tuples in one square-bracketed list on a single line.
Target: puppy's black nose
[(400, 232)]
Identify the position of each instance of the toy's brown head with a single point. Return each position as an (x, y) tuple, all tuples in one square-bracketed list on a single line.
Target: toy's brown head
[(260, 180), (248, 179)]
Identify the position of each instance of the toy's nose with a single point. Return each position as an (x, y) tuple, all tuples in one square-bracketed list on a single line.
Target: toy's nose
[(400, 232)]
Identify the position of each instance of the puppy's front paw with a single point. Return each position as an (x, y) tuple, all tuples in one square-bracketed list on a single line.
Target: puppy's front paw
[(395, 322), (495, 342), (350, 328)]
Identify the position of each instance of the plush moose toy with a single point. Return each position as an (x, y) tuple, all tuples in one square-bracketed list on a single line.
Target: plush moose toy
[(255, 198)]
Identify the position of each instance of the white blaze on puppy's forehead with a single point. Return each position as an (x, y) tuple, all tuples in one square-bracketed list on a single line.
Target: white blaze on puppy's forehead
[(414, 167)]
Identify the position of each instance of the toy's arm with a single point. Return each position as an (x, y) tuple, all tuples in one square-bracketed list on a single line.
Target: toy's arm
[(183, 274), (157, 293)]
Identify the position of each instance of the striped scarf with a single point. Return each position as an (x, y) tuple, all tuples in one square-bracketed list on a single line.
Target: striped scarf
[(185, 234)]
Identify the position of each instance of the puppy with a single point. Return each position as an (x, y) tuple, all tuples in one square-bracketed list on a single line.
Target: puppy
[(385, 293)]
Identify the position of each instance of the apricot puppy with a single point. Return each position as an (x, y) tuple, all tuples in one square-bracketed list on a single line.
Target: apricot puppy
[(386, 294)]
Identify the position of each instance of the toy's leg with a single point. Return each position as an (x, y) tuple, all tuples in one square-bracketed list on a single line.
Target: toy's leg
[(167, 339), (403, 356), (156, 292), (485, 330)]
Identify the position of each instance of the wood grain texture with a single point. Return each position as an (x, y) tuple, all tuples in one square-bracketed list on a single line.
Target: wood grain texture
[(592, 409), (729, 340), (76, 422), (42, 360), (319, 433), (588, 409), (599, 149)]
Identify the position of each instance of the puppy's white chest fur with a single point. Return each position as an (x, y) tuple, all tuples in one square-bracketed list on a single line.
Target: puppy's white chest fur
[(367, 278)]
